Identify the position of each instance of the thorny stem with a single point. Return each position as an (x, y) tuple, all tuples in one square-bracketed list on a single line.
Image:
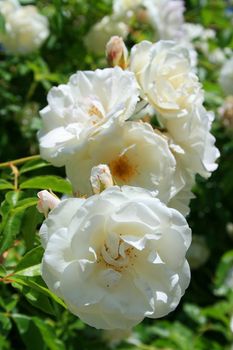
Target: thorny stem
[(19, 161)]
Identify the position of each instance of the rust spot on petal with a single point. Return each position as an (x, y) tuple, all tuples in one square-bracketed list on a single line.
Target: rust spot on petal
[(122, 169)]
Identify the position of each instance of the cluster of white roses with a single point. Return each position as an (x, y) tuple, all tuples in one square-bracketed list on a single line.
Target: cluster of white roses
[(165, 17), (25, 28), (119, 255)]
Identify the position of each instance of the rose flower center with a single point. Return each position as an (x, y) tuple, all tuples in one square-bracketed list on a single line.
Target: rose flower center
[(117, 254), (122, 169), (95, 114)]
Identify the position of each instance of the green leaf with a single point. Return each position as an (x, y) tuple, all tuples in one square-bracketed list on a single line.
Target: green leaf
[(30, 282), (224, 274), (10, 231), (9, 303), (3, 271), (30, 271), (37, 334), (29, 333), (38, 300), (4, 343), (12, 197), (32, 258), (47, 333), (6, 185), (30, 222), (48, 182), (5, 321), (12, 223), (218, 311), (194, 312), (33, 165)]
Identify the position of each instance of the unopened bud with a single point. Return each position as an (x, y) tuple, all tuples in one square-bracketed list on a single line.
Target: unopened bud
[(47, 201), (116, 52), (101, 178)]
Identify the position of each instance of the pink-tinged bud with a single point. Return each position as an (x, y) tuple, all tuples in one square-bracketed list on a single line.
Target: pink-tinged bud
[(116, 52), (47, 201), (101, 178)]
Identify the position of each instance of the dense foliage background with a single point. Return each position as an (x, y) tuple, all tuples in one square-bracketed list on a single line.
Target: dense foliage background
[(33, 318)]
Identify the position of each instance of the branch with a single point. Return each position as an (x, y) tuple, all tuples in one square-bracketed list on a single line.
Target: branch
[(19, 161)]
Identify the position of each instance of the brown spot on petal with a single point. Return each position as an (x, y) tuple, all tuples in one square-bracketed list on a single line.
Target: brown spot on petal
[(122, 169)]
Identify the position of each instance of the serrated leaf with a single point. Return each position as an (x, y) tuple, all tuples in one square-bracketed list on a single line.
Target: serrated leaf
[(48, 182)]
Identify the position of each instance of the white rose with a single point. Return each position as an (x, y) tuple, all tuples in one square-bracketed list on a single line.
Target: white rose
[(122, 7), (192, 135), (196, 31), (55, 221), (98, 36), (226, 77), (166, 78), (25, 28), (182, 191), (117, 258), (8, 6), (135, 154), (80, 108), (217, 56), (166, 17)]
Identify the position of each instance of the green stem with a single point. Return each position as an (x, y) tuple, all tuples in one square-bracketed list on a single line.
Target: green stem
[(19, 161)]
